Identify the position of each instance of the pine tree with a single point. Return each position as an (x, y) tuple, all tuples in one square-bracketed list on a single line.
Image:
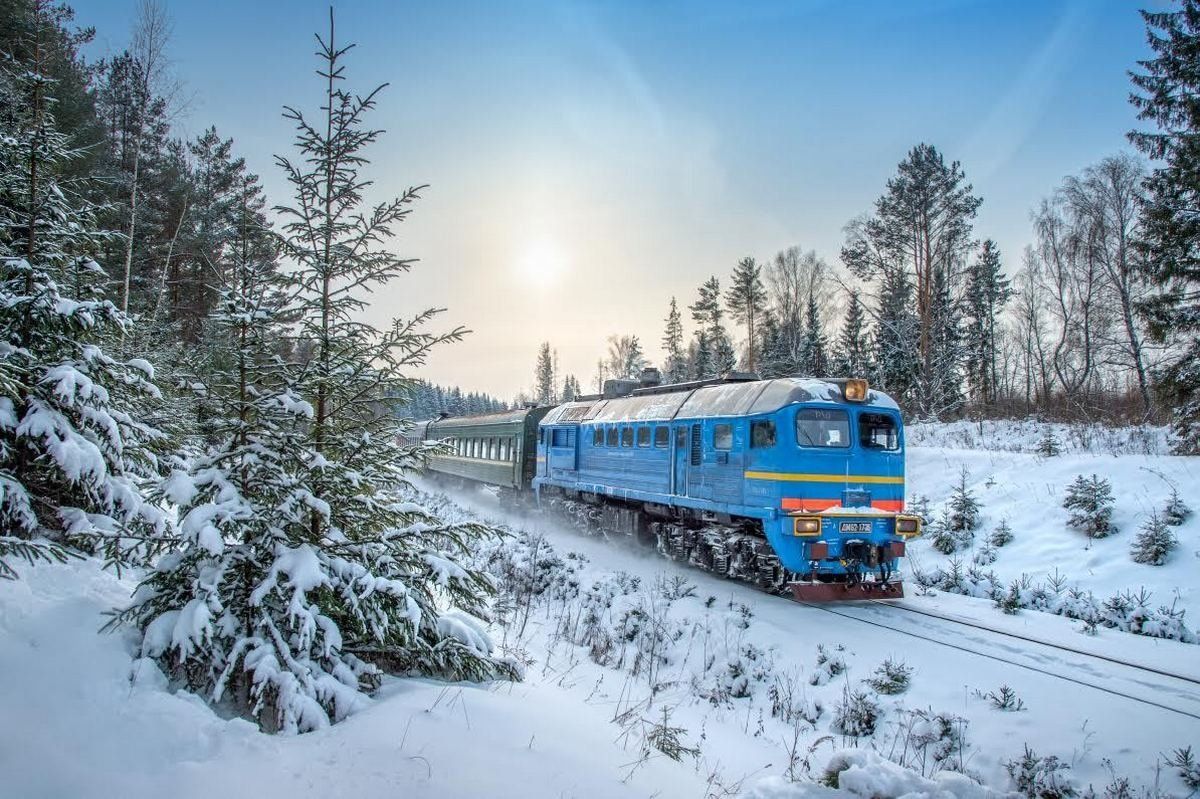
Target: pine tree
[(962, 511), (570, 389), (1090, 501), (895, 353), (1170, 228), (75, 454), (675, 368), (1154, 542), (714, 353), (814, 347), (941, 390), (987, 292), (853, 356), (338, 577), (747, 300), (701, 357), (543, 376), (914, 244)]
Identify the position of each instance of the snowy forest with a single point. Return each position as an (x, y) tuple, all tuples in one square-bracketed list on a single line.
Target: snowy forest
[(204, 455), (929, 309)]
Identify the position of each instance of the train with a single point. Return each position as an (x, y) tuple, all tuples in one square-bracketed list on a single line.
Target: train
[(795, 484)]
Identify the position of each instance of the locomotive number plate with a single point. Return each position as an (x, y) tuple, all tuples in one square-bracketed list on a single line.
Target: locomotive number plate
[(855, 527)]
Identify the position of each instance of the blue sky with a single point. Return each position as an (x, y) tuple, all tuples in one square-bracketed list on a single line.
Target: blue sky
[(587, 161)]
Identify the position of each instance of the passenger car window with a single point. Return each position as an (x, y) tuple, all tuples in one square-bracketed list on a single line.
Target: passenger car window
[(878, 431), (822, 427), (662, 436), (626, 436), (723, 436), (643, 436), (762, 433)]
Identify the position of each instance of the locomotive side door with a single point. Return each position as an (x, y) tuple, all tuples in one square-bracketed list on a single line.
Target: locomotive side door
[(679, 461)]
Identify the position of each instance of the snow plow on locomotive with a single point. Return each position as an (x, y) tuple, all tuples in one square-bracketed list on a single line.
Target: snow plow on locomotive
[(793, 484)]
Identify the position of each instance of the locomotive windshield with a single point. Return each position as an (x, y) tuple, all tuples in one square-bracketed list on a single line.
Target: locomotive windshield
[(821, 427), (878, 431)]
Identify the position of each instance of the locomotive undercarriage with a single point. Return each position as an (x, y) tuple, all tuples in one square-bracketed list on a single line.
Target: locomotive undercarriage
[(724, 547)]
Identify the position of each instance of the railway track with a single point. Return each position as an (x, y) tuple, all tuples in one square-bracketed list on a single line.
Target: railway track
[(1131, 681), (1169, 691)]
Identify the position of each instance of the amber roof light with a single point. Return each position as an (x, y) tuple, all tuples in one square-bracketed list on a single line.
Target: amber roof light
[(855, 390)]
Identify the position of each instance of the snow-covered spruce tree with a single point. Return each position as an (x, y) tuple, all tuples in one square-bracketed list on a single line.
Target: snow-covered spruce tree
[(74, 453), (962, 510), (1153, 542), (1090, 501), (337, 578), (1048, 445), (1176, 511)]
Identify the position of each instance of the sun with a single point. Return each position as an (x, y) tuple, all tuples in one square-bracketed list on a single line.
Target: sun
[(541, 263)]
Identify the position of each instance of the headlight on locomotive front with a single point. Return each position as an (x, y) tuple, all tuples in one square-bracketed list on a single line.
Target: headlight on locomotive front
[(908, 525), (807, 525)]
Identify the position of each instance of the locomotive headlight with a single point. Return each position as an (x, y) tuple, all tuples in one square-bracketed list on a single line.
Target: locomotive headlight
[(855, 390), (908, 525), (807, 525)]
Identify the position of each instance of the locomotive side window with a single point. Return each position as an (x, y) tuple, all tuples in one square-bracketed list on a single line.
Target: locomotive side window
[(610, 438), (598, 437), (626, 436), (878, 431), (723, 436), (643, 436), (559, 437), (821, 427), (662, 436), (762, 434)]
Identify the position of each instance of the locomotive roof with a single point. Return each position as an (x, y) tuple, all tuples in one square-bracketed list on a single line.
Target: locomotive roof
[(723, 399)]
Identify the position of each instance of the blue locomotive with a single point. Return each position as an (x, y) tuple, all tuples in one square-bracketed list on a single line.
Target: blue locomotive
[(789, 482)]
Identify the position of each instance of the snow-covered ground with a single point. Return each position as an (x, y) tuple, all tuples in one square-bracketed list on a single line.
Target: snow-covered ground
[(631, 661), (1014, 483)]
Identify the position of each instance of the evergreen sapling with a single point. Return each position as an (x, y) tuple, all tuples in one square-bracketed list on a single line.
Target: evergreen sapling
[(1090, 501), (1154, 542)]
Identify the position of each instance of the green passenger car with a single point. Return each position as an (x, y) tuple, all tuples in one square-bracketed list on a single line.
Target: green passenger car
[(496, 448)]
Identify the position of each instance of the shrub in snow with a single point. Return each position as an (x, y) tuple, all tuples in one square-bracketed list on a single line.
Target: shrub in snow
[(1048, 445), (857, 714), (1002, 535), (1153, 542), (985, 555), (1090, 501), (790, 703), (1006, 699), (1188, 767), (864, 773), (928, 742), (829, 665), (1012, 600), (891, 677), (669, 740), (1041, 777), (919, 506), (942, 538), (302, 574), (1176, 511), (75, 452)]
